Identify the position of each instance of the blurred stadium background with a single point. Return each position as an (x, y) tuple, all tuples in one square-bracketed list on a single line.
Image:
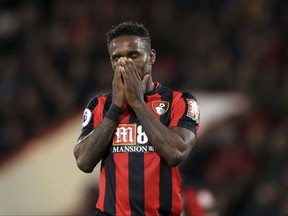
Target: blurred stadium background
[(231, 54)]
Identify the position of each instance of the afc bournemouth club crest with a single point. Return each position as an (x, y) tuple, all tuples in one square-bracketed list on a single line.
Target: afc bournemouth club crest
[(193, 109), (160, 107)]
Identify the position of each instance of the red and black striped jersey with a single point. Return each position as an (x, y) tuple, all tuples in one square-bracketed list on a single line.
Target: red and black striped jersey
[(134, 179)]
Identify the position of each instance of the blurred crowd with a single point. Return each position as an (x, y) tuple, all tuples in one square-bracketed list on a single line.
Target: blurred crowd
[(53, 58)]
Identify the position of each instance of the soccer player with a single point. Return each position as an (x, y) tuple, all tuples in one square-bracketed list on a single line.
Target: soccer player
[(140, 132)]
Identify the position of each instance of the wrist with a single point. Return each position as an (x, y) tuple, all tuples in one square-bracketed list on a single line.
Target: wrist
[(113, 113), (138, 105)]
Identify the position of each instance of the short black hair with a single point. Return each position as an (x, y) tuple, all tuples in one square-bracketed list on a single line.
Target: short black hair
[(129, 28)]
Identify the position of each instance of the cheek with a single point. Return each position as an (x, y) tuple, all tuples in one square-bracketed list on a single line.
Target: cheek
[(114, 64), (142, 63), (142, 67), (143, 70)]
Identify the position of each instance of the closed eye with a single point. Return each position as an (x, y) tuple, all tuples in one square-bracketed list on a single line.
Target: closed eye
[(115, 57), (134, 54)]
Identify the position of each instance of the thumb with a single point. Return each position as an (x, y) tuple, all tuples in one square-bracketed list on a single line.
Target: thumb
[(145, 80)]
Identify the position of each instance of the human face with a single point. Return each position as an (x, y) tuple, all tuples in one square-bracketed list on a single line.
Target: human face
[(134, 48)]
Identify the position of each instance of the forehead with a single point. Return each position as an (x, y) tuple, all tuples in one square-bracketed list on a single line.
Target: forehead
[(127, 43)]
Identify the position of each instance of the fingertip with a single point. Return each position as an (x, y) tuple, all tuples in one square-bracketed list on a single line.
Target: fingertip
[(146, 78), (122, 61), (121, 68)]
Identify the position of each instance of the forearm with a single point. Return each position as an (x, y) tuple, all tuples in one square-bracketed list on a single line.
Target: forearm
[(169, 144), (89, 151)]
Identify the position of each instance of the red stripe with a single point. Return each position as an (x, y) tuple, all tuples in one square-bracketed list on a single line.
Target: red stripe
[(125, 114), (197, 127), (179, 111), (176, 194), (98, 110), (151, 183), (102, 186), (122, 184), (192, 205)]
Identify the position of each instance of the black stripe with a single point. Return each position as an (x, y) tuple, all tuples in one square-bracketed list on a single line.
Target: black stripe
[(110, 196), (110, 190), (136, 183), (165, 189), (166, 95), (107, 104), (165, 184), (136, 178)]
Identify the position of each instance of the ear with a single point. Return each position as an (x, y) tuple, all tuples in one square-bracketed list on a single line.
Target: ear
[(152, 56)]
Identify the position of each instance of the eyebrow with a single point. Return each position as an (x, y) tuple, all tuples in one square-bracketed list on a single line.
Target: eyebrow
[(133, 52)]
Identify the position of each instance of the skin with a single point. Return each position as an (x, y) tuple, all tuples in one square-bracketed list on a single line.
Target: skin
[(132, 60)]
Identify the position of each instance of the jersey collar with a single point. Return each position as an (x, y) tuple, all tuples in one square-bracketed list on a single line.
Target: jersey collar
[(157, 86)]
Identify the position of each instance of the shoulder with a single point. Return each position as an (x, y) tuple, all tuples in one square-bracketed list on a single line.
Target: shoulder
[(98, 99), (176, 94), (188, 95), (179, 94)]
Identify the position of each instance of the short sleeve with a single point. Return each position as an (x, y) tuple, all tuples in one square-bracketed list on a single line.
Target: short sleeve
[(92, 116), (185, 112)]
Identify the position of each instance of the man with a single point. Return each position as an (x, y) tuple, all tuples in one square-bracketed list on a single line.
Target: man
[(141, 131)]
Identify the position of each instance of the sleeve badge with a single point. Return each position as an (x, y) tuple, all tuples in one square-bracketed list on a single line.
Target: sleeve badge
[(193, 110), (86, 117)]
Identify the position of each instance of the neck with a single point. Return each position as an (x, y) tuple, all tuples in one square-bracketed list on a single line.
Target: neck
[(150, 86)]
